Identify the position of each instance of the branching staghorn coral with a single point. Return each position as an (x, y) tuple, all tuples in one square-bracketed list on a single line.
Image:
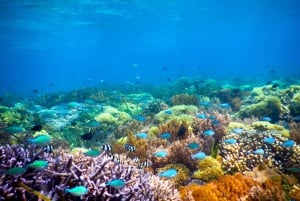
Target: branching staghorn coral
[(164, 190), (67, 171)]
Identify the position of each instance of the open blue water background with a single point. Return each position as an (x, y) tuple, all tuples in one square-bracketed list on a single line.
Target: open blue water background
[(63, 45)]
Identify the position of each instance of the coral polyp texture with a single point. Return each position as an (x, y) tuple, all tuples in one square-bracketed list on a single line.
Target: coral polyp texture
[(253, 148)]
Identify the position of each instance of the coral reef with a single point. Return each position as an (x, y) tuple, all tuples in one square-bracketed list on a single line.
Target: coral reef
[(208, 169), (232, 96), (180, 153), (178, 129), (66, 171), (182, 176), (163, 190), (213, 121), (241, 156), (184, 99), (178, 112), (226, 188), (295, 132), (263, 126)]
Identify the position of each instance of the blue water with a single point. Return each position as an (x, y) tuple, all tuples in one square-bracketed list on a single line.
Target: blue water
[(63, 45)]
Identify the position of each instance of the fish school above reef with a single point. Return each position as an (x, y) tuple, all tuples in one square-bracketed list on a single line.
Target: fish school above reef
[(192, 140)]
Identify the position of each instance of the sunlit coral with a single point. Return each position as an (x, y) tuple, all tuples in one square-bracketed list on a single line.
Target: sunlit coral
[(209, 168)]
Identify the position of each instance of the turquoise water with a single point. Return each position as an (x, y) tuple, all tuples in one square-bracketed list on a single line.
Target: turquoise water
[(55, 46)]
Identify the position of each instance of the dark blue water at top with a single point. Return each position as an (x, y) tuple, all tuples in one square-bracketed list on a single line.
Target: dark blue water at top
[(64, 45)]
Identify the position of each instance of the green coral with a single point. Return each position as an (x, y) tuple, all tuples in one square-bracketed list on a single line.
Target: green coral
[(208, 169), (263, 126), (10, 117), (179, 112), (130, 108), (113, 116), (266, 106), (295, 104), (153, 131)]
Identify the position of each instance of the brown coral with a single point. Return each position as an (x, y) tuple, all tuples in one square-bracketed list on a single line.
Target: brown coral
[(184, 99), (295, 132), (178, 129)]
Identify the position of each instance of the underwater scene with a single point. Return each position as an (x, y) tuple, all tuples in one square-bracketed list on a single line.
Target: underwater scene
[(150, 100)]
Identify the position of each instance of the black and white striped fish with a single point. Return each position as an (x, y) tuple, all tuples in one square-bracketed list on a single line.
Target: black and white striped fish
[(106, 147), (115, 159), (129, 147), (145, 164), (48, 148), (136, 159)]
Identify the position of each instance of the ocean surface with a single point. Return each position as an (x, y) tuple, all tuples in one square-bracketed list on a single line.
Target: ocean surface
[(55, 45)]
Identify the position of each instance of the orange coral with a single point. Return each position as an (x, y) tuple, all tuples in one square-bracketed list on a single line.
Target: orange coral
[(227, 188)]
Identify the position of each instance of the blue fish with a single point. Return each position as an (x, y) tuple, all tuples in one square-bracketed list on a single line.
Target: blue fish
[(205, 103), (215, 122), (140, 118), (165, 135), (259, 152), (225, 105), (89, 102), (230, 141), (208, 132), (40, 140), (142, 135), (15, 171), (161, 154), (294, 169), (168, 112), (170, 173), (199, 155), (193, 145), (288, 143), (200, 115), (237, 130), (77, 191), (269, 140), (92, 153), (268, 119), (92, 124), (116, 183), (38, 164), (14, 129)]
